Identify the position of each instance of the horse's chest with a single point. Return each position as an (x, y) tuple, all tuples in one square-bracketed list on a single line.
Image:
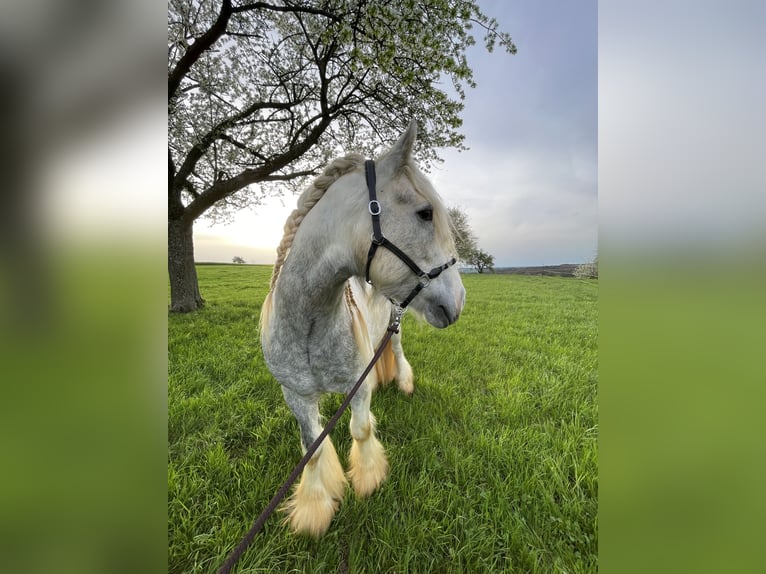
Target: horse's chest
[(332, 359)]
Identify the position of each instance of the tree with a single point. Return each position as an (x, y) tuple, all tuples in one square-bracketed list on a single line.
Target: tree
[(482, 260), (466, 243), (465, 240), (587, 270), (237, 259), (263, 93)]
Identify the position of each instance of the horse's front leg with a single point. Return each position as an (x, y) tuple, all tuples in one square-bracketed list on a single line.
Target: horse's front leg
[(314, 502), (368, 465), (404, 377)]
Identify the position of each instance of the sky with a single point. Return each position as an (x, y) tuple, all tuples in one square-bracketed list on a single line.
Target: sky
[(528, 182), (681, 125)]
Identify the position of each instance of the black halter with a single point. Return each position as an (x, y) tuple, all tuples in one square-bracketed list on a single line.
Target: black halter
[(378, 240)]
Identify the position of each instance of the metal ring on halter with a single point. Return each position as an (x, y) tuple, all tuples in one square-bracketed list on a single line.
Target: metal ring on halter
[(374, 204)]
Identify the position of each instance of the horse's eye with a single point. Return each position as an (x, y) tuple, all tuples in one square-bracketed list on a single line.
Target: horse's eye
[(426, 214)]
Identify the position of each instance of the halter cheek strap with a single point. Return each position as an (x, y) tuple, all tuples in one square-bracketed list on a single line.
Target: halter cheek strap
[(379, 240)]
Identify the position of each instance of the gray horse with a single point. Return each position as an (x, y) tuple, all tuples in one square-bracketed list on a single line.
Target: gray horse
[(321, 321)]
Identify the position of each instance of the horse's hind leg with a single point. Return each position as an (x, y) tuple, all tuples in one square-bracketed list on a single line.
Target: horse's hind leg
[(368, 465), (404, 376), (314, 502)]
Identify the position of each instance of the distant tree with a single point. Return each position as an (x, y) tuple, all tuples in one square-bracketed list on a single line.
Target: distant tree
[(237, 259), (261, 94), (466, 243), (465, 240), (587, 270), (482, 260)]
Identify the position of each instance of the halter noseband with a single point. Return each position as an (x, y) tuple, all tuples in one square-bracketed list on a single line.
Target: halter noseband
[(379, 240)]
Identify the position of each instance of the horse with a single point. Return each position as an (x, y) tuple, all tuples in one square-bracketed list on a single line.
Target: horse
[(331, 299)]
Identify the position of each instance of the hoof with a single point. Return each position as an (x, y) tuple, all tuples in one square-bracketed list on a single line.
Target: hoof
[(369, 466), (310, 514), (313, 504), (405, 380)]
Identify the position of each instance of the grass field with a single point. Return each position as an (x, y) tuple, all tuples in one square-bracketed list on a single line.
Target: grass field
[(493, 459)]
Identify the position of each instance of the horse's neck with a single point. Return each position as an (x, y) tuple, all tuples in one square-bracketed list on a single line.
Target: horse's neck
[(312, 280), (317, 268)]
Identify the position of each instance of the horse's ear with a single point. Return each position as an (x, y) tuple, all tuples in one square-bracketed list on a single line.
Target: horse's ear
[(399, 155)]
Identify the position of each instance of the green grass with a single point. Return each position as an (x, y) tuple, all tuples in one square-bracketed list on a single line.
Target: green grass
[(493, 459)]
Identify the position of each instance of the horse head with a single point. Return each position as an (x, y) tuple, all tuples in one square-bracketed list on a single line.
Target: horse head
[(415, 220)]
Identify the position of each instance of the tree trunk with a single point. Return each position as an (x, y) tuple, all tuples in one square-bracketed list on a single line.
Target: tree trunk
[(184, 288)]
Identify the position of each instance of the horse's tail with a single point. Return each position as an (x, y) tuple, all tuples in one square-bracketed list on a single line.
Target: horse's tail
[(306, 201), (385, 368)]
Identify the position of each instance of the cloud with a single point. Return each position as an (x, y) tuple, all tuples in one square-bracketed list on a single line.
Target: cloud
[(529, 207), (529, 181), (682, 126)]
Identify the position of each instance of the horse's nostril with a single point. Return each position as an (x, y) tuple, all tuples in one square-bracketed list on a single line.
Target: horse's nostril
[(447, 314)]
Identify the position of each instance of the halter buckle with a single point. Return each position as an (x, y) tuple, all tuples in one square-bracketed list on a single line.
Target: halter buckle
[(374, 207), (396, 319), (425, 280)]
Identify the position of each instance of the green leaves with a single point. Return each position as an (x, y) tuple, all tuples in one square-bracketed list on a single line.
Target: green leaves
[(278, 72), (482, 260)]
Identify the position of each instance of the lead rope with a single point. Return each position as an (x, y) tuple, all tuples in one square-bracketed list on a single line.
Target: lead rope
[(235, 554)]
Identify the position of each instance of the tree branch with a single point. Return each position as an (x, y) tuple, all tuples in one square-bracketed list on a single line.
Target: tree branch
[(289, 176), (190, 188), (243, 146), (288, 8), (244, 35), (202, 146), (226, 187), (196, 50)]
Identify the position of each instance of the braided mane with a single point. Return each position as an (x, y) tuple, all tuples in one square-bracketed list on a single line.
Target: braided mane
[(308, 199)]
